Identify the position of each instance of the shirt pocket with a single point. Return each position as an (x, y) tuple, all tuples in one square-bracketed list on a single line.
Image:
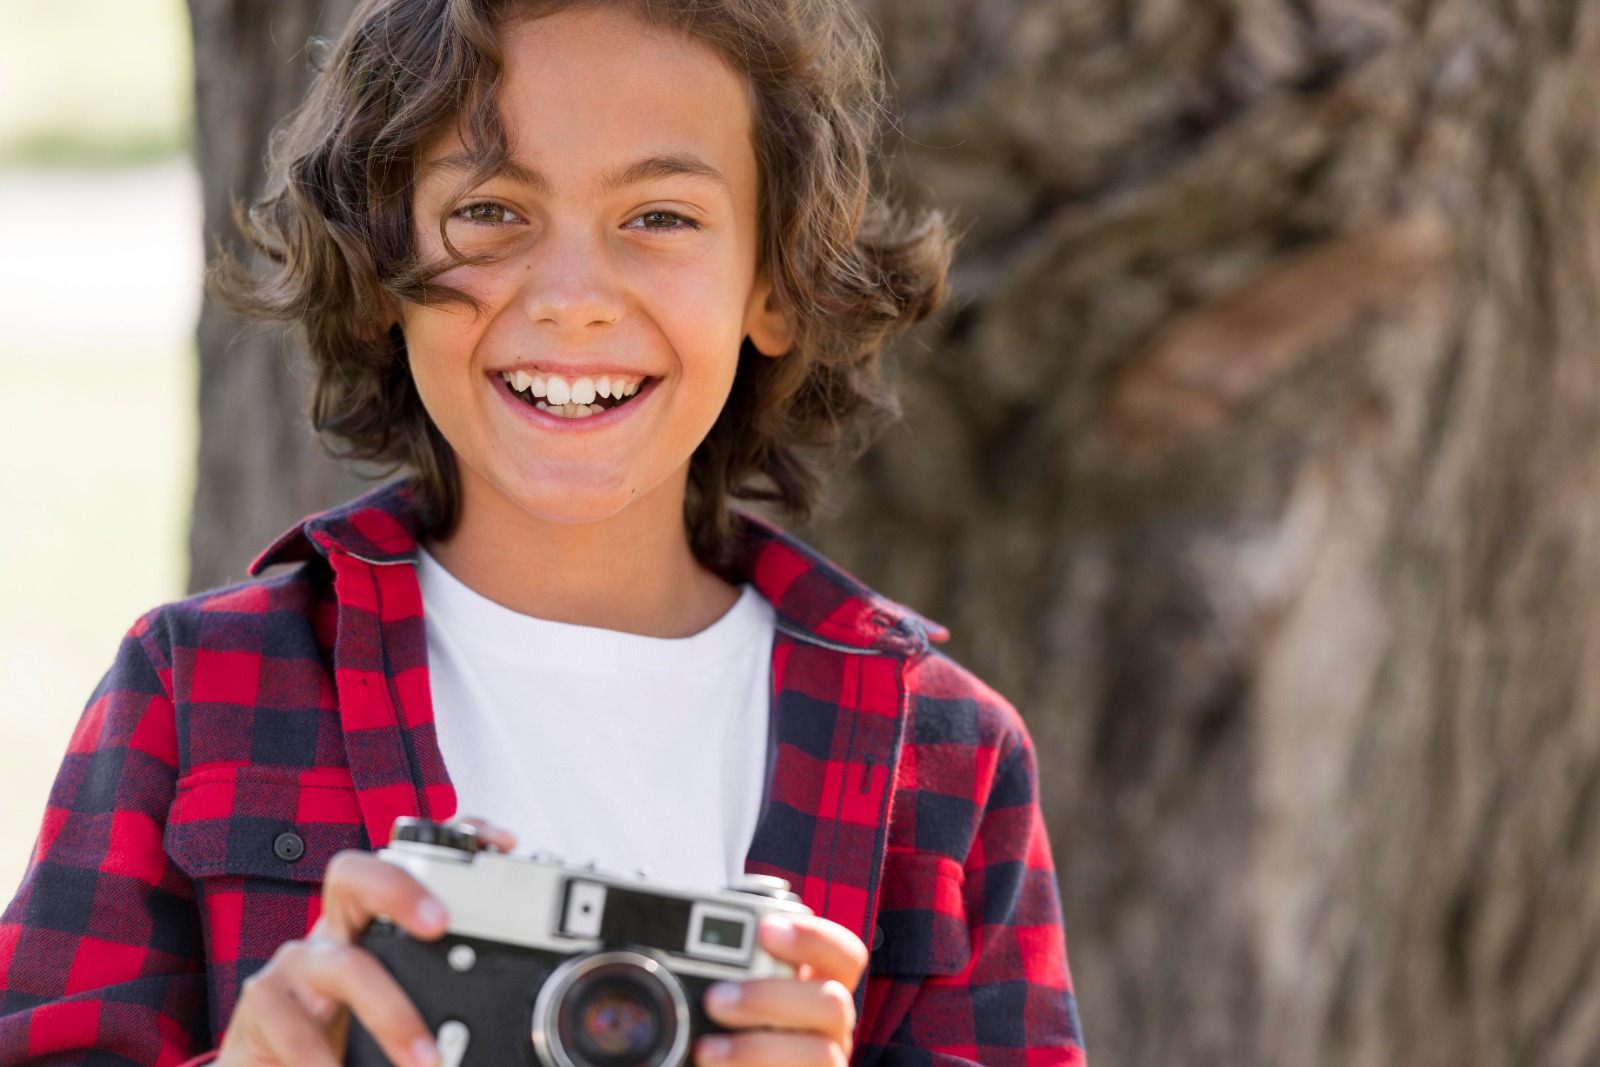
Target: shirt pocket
[(278, 823), (922, 917)]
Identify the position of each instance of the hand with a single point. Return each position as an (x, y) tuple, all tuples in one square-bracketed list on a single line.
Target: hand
[(805, 1021), (296, 1010)]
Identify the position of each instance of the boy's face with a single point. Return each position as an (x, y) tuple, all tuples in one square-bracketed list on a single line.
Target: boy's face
[(626, 242)]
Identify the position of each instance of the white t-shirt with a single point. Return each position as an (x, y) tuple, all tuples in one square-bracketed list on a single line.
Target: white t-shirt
[(598, 745)]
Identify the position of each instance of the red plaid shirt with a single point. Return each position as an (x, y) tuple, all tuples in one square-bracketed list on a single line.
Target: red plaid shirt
[(244, 736)]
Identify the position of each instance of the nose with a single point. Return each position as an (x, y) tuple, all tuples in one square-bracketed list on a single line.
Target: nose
[(570, 282)]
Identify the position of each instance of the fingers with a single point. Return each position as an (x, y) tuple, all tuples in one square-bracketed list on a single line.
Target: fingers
[(273, 1022), (805, 1021), (344, 975), (766, 1048), (270, 1019), (824, 1008), (358, 887), (828, 949), (488, 833), (349, 975)]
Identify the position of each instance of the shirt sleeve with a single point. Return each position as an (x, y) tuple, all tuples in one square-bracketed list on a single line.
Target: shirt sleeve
[(101, 953), (1007, 999)]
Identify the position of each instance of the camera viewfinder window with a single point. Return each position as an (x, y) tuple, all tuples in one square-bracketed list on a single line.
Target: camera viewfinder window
[(728, 933)]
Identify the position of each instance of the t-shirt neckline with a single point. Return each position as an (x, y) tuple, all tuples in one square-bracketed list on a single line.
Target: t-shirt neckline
[(500, 631)]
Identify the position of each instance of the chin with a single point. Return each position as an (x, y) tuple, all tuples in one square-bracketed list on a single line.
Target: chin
[(573, 509)]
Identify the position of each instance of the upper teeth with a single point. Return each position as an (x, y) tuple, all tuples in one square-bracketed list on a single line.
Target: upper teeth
[(559, 390)]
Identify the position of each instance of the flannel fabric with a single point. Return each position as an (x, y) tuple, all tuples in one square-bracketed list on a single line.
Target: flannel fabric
[(244, 736)]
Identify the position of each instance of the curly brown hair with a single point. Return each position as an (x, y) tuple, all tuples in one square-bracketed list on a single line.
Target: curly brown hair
[(335, 230)]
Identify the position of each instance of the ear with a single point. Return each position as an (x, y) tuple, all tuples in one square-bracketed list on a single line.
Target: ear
[(768, 325), (383, 324)]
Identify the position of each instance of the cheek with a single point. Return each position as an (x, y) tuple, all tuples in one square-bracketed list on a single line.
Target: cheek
[(439, 347), (716, 277), (702, 314)]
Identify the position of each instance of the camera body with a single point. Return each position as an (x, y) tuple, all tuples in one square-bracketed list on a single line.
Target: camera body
[(551, 965)]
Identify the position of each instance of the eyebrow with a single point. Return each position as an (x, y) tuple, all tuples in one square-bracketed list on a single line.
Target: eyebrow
[(653, 168)]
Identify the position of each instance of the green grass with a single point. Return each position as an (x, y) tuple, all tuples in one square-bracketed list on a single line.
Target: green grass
[(94, 82)]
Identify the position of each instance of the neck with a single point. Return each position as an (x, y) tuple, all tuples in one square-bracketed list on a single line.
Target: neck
[(632, 571)]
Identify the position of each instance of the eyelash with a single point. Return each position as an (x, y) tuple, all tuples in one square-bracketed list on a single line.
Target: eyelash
[(684, 222), (465, 212)]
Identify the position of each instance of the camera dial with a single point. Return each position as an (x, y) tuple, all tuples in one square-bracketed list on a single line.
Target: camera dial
[(765, 885), (461, 837)]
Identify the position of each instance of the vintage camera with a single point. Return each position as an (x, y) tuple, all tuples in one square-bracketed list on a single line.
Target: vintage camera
[(550, 965)]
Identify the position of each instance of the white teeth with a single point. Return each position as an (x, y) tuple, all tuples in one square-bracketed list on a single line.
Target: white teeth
[(573, 399)]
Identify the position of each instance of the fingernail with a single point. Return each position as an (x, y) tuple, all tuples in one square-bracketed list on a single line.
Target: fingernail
[(424, 1053), (432, 914), (780, 931), (714, 1048), (723, 995)]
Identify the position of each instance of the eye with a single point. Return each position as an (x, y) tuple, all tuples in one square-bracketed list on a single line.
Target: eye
[(486, 212), (663, 222)]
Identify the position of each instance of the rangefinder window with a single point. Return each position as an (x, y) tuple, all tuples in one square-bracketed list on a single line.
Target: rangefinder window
[(723, 932), (720, 933)]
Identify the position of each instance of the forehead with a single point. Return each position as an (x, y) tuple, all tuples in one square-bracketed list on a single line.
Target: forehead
[(588, 88)]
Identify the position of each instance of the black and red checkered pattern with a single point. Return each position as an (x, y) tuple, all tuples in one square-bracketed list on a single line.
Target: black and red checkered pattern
[(244, 736)]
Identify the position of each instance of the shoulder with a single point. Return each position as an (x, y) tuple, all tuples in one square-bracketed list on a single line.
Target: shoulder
[(285, 616), (948, 704), (183, 674), (966, 755)]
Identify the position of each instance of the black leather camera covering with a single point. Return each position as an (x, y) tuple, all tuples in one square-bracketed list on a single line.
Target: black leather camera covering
[(494, 999)]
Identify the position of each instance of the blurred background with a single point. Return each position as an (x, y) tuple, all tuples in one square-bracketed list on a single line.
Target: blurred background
[(100, 261), (1255, 460)]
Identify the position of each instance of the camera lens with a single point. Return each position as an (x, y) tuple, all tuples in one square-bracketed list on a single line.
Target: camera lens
[(614, 1023), (619, 1008)]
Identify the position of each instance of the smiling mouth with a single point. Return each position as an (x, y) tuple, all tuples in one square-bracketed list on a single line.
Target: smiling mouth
[(575, 399)]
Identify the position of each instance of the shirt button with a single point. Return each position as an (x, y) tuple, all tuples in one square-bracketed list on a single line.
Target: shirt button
[(877, 936), (289, 847)]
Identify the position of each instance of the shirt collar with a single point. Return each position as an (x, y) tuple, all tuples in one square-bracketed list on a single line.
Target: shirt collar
[(809, 593)]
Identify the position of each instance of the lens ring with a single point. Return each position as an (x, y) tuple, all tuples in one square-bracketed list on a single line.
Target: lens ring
[(547, 1041)]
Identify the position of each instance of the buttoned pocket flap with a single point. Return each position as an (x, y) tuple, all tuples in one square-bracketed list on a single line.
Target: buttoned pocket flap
[(922, 919), (263, 822)]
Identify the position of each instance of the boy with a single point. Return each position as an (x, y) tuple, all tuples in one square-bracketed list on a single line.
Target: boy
[(586, 270)]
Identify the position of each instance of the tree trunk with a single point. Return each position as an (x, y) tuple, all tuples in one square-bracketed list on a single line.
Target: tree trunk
[(1254, 463), (260, 467), (1257, 464)]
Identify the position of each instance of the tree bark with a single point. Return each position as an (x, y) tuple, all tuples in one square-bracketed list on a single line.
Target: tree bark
[(260, 467), (1255, 462)]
